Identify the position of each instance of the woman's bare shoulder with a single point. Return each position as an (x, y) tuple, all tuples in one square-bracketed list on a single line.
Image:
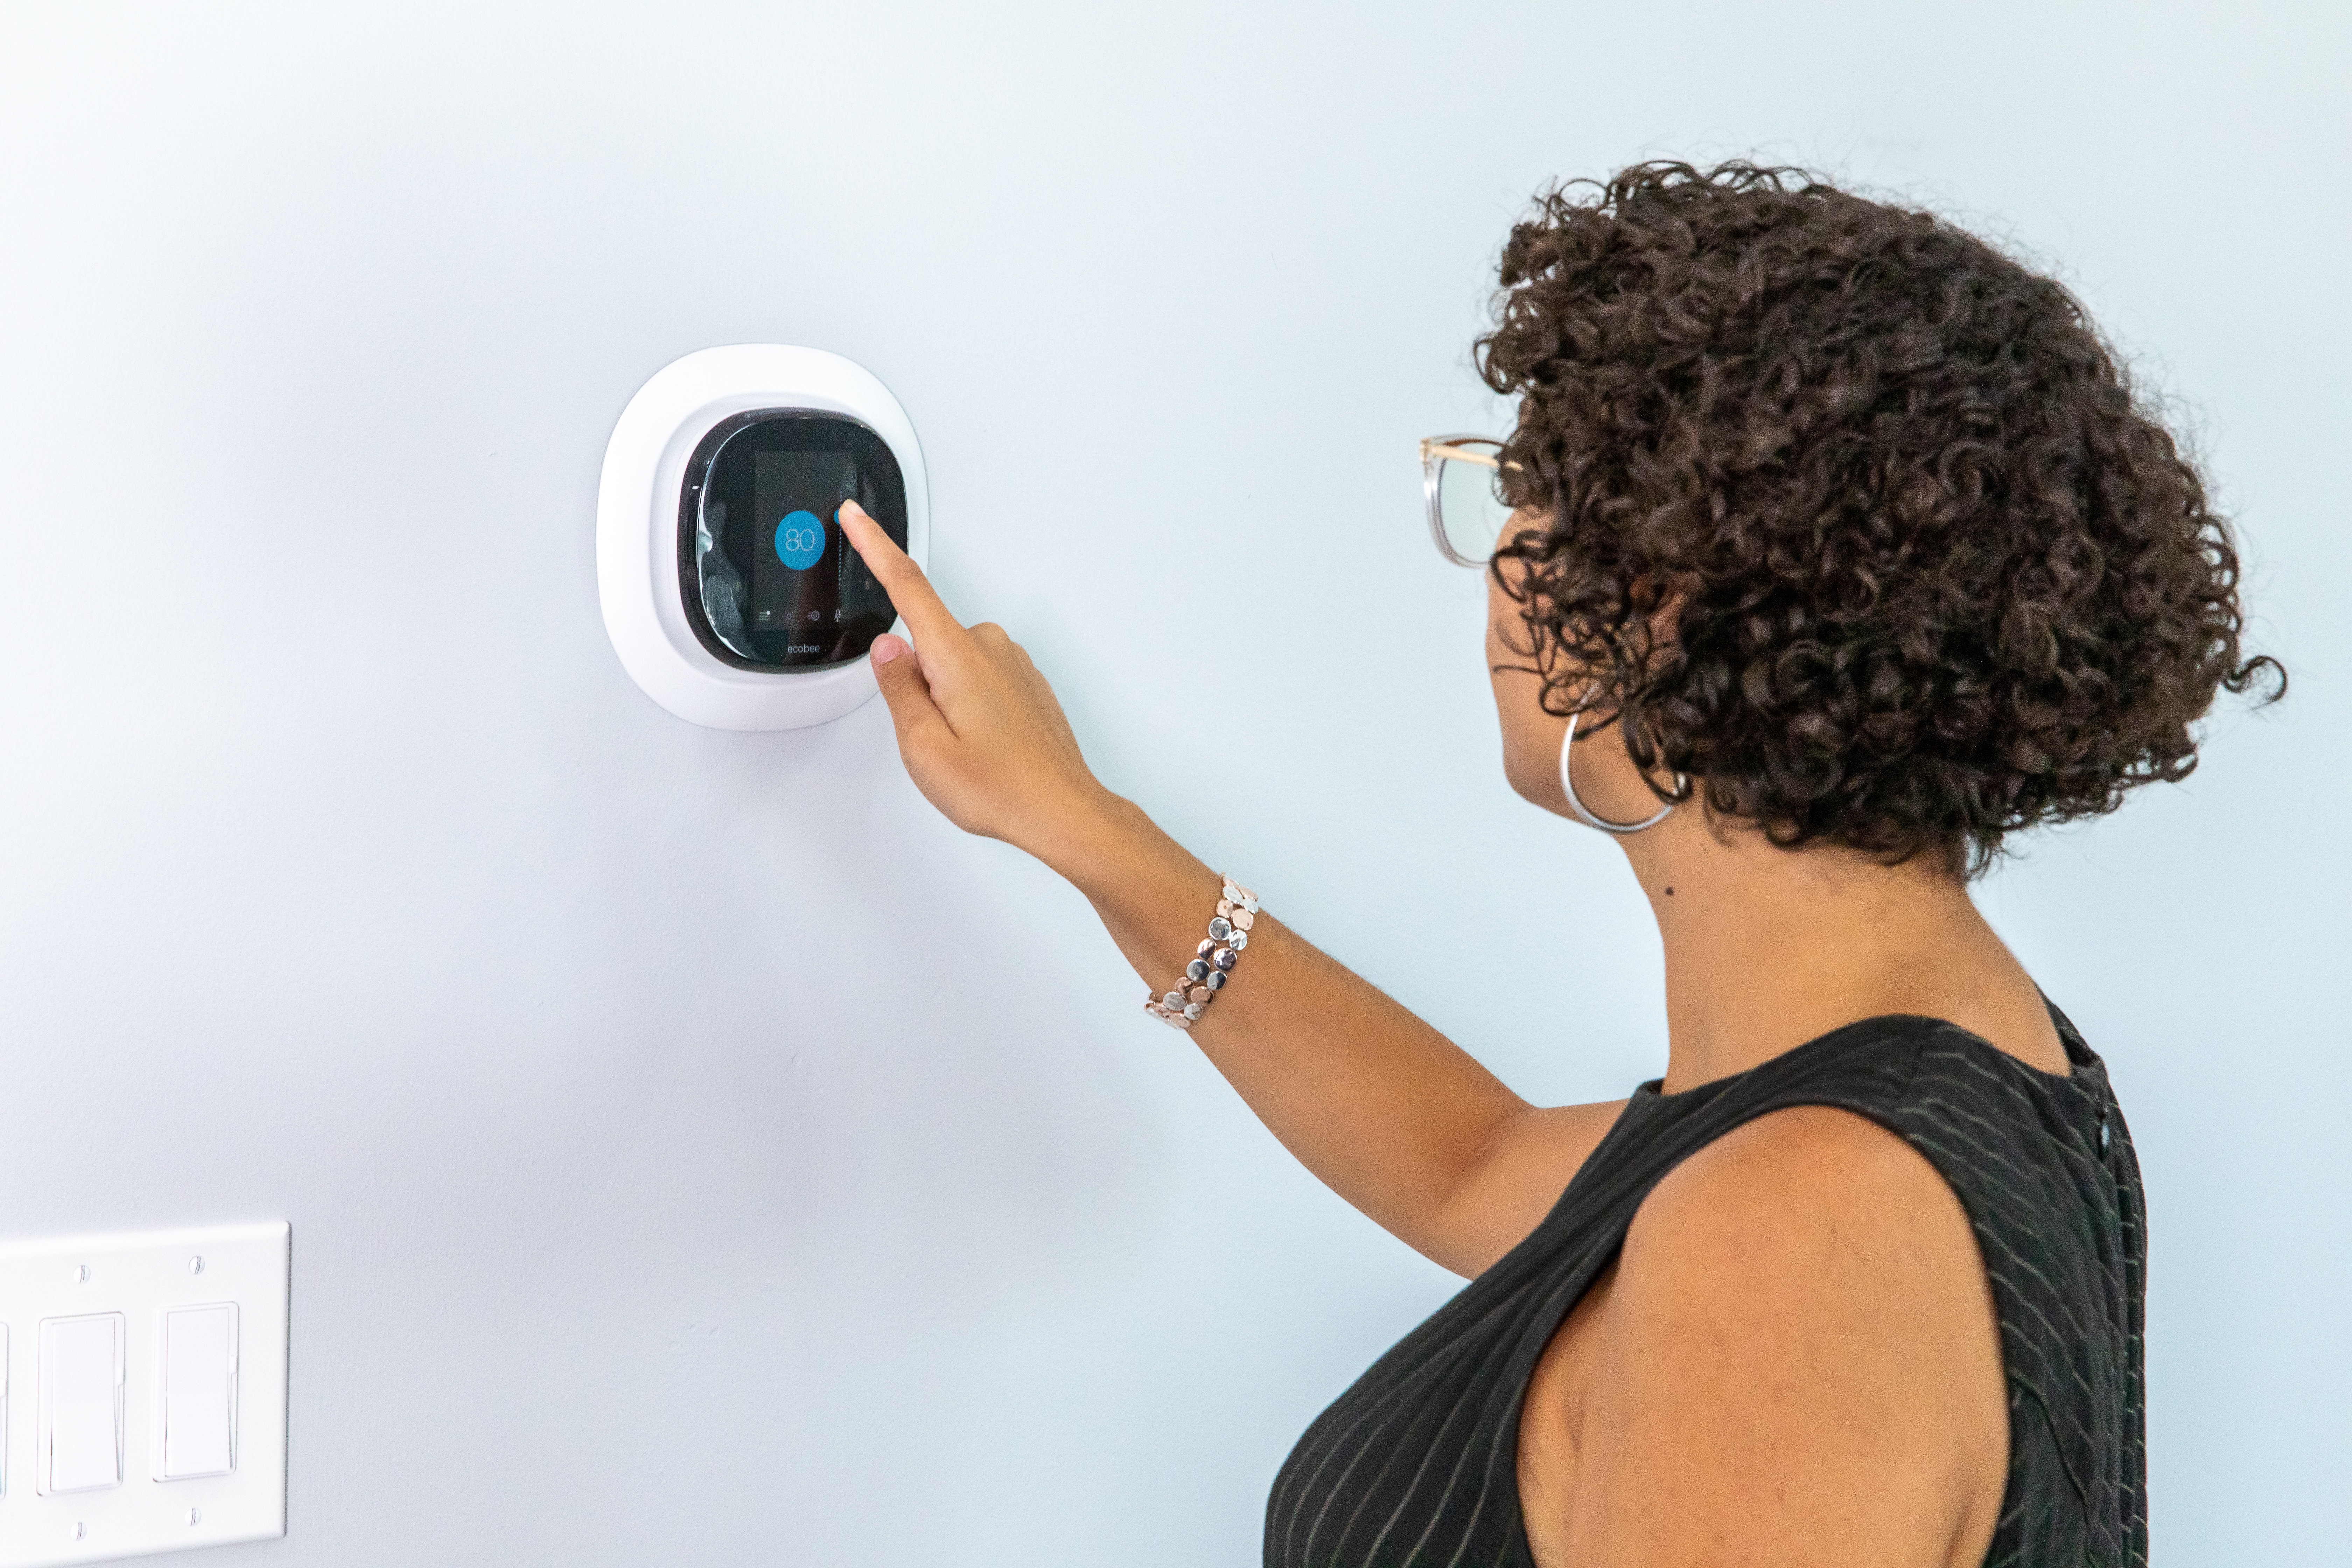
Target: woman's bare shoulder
[(1799, 1353)]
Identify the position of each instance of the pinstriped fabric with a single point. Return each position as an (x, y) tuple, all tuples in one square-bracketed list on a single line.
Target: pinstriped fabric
[(1415, 1466)]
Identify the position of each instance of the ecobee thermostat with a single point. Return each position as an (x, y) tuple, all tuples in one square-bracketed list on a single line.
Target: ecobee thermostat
[(729, 591)]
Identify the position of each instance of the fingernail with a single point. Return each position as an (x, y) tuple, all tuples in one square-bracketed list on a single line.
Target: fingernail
[(886, 648), (847, 506)]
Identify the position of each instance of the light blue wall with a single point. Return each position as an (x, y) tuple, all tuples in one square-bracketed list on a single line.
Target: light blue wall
[(697, 1151)]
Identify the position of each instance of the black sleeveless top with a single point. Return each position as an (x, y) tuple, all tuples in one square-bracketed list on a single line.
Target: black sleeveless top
[(1418, 1463)]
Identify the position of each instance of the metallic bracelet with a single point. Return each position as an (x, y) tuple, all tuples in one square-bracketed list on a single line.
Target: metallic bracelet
[(1212, 963)]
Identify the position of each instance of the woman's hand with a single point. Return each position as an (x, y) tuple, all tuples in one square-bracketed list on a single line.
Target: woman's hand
[(978, 728)]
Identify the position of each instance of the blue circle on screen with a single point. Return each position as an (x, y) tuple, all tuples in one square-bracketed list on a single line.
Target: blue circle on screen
[(800, 541)]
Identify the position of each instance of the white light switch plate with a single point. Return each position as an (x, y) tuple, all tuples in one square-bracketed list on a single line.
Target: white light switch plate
[(142, 1276)]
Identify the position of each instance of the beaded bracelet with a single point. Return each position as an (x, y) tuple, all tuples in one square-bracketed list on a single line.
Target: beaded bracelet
[(1213, 962)]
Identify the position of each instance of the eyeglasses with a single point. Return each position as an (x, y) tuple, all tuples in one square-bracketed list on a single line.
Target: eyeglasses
[(1461, 480)]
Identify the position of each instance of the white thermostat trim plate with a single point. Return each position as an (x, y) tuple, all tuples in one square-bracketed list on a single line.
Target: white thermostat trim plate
[(637, 524), (142, 1276)]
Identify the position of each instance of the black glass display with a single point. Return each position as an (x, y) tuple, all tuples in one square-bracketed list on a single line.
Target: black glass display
[(770, 580)]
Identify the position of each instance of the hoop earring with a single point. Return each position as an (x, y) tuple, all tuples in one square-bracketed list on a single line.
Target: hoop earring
[(1585, 814)]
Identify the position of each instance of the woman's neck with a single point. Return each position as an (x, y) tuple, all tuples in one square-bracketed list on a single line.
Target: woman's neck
[(1767, 948)]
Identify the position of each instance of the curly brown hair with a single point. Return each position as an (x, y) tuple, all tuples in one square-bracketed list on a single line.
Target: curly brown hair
[(1849, 517)]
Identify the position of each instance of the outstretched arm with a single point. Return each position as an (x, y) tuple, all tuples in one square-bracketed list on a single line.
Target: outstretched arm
[(1391, 1114)]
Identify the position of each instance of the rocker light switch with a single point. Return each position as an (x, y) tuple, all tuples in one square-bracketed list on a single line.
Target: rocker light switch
[(199, 1394), (82, 1403)]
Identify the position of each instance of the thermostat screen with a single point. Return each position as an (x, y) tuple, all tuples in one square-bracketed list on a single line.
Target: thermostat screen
[(793, 497), (770, 578)]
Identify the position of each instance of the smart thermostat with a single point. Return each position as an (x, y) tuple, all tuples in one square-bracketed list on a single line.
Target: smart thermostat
[(729, 591)]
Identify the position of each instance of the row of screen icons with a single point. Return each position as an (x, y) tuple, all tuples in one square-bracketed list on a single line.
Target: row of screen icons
[(765, 618)]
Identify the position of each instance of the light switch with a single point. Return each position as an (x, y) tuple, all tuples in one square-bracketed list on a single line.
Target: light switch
[(149, 1409), (82, 1403), (198, 1400)]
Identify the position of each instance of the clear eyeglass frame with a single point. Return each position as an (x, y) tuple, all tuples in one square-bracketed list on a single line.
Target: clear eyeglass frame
[(1461, 485)]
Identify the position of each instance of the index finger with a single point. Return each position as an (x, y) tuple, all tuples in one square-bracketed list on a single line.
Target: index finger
[(910, 592)]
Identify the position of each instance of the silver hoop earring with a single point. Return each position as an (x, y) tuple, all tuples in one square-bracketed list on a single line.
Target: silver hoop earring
[(1584, 814)]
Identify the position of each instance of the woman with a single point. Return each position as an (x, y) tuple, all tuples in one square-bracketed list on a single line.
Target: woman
[(1838, 552)]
